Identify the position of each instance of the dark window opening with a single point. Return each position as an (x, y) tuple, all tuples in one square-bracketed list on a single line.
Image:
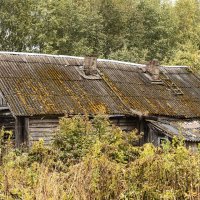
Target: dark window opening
[(3, 103), (162, 140)]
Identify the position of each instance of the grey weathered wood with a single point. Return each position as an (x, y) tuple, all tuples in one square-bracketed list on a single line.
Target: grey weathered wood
[(40, 128), (26, 131), (44, 134), (7, 120), (42, 121), (126, 124), (43, 125), (18, 132)]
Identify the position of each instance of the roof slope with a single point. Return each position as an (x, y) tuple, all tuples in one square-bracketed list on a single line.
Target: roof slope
[(156, 99), (35, 84), (189, 130)]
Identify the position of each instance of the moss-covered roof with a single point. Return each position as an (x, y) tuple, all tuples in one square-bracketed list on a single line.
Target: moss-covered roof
[(35, 84)]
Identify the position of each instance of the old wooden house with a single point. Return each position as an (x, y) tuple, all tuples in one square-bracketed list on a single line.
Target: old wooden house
[(37, 89)]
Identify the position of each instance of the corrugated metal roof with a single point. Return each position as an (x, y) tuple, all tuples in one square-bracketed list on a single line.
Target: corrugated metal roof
[(190, 131), (36, 84), (156, 99)]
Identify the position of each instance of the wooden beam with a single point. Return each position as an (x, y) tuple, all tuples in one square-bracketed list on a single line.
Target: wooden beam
[(18, 132), (21, 131)]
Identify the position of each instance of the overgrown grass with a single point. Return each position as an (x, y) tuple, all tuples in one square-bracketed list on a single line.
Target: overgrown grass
[(95, 160)]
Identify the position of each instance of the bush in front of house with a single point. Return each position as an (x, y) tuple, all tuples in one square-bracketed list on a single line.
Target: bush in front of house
[(92, 159), (78, 136)]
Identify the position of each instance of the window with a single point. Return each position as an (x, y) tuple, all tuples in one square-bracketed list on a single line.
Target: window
[(2, 101), (162, 140)]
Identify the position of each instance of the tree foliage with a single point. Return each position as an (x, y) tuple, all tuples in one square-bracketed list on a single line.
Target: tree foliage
[(125, 30)]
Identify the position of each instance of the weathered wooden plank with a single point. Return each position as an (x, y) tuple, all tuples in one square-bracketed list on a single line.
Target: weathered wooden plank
[(44, 125), (42, 129), (42, 121), (38, 138), (19, 133), (126, 124), (42, 135)]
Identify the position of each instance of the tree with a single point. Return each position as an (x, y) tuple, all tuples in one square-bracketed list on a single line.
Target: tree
[(112, 27), (16, 25), (189, 21), (128, 30)]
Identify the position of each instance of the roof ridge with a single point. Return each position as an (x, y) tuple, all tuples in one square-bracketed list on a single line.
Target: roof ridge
[(79, 57), (67, 56), (175, 66)]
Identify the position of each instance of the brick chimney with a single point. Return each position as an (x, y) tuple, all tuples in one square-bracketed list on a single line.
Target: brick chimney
[(153, 69), (90, 65)]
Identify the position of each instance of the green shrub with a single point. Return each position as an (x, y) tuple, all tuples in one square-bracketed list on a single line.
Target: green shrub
[(5, 142), (78, 136), (91, 159)]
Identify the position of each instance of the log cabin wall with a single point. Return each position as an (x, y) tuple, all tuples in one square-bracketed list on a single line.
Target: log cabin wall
[(153, 136), (42, 128), (192, 145), (19, 131), (126, 123), (45, 127)]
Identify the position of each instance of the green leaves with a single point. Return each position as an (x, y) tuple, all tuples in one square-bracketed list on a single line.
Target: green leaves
[(15, 25), (124, 30), (78, 137)]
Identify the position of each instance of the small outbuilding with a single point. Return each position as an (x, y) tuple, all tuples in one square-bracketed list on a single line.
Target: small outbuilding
[(37, 89)]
